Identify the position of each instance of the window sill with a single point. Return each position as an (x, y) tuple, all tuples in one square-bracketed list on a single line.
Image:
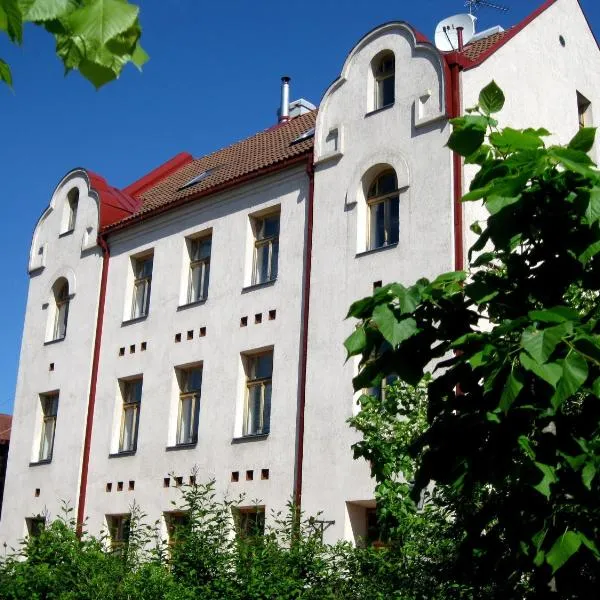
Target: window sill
[(39, 463), (132, 321), (378, 110), (257, 286), (50, 342), (250, 438), (121, 454), (375, 250), (191, 304), (66, 233), (190, 446)]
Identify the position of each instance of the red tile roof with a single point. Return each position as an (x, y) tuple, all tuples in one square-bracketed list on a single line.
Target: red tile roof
[(475, 49), (263, 152), (5, 425)]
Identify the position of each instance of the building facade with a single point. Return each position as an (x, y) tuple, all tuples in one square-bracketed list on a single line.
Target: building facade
[(191, 325)]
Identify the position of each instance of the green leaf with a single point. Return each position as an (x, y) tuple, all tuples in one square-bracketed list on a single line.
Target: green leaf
[(39, 11), (549, 372), (407, 298), (574, 160), (512, 388), (587, 474), (592, 212), (355, 343), (491, 98), (99, 21), (512, 140), (564, 547), (589, 253), (583, 139), (549, 477), (596, 388), (98, 75), (541, 343), (5, 74), (361, 309), (575, 372), (495, 204), (11, 20), (139, 57), (557, 314), (467, 140), (480, 292), (392, 329), (525, 443)]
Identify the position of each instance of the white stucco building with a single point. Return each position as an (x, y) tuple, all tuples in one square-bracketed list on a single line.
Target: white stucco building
[(192, 323)]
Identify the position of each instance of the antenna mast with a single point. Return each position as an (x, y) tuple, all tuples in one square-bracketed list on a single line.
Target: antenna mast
[(476, 4)]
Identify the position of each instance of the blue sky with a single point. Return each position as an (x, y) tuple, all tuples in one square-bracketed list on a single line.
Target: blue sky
[(213, 78)]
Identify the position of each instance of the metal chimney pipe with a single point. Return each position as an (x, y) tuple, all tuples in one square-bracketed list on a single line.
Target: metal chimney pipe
[(284, 112)]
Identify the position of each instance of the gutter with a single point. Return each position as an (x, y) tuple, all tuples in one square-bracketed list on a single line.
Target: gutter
[(93, 382), (299, 458)]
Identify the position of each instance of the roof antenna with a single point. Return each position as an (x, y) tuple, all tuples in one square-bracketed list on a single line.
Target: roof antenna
[(477, 4)]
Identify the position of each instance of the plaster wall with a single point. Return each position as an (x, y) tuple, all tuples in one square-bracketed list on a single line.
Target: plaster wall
[(219, 451), (540, 79), (75, 257), (410, 139)]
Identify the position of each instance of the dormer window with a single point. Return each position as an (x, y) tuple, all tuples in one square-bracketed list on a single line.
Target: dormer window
[(384, 72)]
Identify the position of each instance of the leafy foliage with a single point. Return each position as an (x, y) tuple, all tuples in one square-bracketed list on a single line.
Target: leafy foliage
[(512, 440), (96, 37)]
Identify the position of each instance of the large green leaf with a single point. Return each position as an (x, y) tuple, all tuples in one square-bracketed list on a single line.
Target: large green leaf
[(45, 10), (564, 547), (541, 343), (392, 329), (575, 372), (583, 139), (11, 20), (99, 21), (557, 314), (574, 160), (356, 342), (587, 474), (550, 372), (511, 140), (466, 140), (491, 98), (592, 213), (549, 477), (512, 388)]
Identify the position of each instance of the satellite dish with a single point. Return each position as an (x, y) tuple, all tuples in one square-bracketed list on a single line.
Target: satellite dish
[(446, 33)]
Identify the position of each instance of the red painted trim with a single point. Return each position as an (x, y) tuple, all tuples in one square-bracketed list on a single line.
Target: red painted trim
[(457, 172), (147, 181), (280, 166), (310, 171), (470, 64), (94, 379)]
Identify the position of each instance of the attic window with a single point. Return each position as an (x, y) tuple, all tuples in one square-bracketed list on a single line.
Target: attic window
[(304, 136), (198, 178)]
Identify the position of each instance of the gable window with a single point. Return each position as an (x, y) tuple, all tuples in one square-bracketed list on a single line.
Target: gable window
[(384, 72), (118, 530), (199, 249), (266, 249), (190, 384), (131, 391), (142, 272), (35, 525), (250, 521), (72, 203), (584, 111), (384, 207), (257, 406), (49, 404), (61, 313)]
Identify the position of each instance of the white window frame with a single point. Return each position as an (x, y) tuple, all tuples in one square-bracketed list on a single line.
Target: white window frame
[(201, 264), (142, 284), (61, 312), (374, 200), (384, 69), (271, 243), (72, 205), (264, 385), (131, 404), (49, 403), (194, 396)]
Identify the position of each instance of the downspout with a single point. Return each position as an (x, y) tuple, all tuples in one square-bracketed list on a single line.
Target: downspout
[(94, 379), (455, 111), (310, 171)]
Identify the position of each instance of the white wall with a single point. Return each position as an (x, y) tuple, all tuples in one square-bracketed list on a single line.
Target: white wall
[(72, 357)]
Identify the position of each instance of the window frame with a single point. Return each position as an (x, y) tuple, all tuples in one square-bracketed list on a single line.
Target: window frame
[(243, 521), (380, 76), (195, 394), (141, 280), (373, 202), (35, 525), (62, 299), (49, 406), (121, 525), (271, 242), (72, 206), (203, 263), (263, 383), (130, 402), (174, 521)]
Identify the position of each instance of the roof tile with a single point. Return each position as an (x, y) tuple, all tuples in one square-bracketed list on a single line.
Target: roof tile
[(5, 426)]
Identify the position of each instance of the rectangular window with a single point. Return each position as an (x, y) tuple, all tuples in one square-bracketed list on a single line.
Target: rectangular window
[(384, 211), (49, 412), (176, 523), (249, 522), (199, 249), (257, 407), (73, 201), (385, 78), (190, 384), (266, 249), (142, 273), (584, 111), (118, 530), (131, 391), (35, 525)]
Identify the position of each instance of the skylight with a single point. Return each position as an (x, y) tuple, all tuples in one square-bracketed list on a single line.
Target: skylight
[(304, 136), (201, 177)]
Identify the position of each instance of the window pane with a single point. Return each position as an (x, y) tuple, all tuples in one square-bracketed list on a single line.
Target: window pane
[(192, 380), (129, 428), (377, 238), (394, 209), (47, 441), (143, 268), (254, 414), (274, 259), (267, 408), (387, 91), (261, 274), (139, 294), (269, 227), (262, 366), (186, 421)]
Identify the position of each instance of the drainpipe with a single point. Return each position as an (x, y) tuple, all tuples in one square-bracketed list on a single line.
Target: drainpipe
[(284, 111), (94, 379), (310, 171)]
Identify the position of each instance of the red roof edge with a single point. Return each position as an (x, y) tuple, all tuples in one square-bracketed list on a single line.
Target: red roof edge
[(114, 204), (470, 64), (147, 181)]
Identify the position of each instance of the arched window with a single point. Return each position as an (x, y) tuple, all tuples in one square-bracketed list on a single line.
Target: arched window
[(384, 208), (61, 313), (384, 73), (72, 202)]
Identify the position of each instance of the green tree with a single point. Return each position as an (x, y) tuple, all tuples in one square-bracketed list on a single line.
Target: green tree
[(96, 37), (512, 440)]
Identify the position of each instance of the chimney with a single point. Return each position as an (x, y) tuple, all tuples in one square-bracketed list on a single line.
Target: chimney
[(284, 111)]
